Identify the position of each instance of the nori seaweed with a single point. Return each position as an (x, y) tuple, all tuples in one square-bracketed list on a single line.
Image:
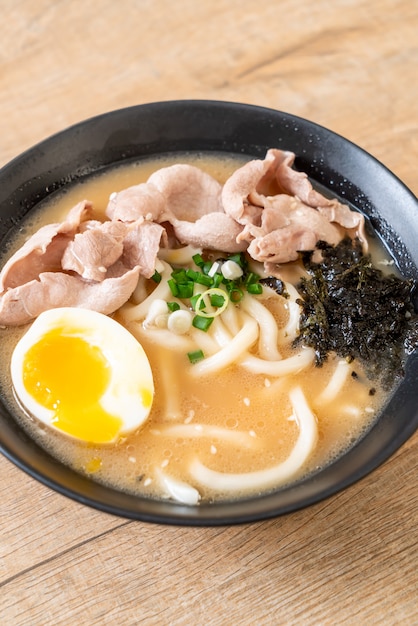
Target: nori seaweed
[(353, 309)]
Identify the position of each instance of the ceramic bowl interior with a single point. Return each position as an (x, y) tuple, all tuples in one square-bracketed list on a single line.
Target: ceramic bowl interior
[(153, 129)]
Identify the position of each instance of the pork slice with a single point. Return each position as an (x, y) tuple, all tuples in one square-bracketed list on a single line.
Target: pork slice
[(282, 246), (298, 228), (285, 210), (22, 304), (93, 251), (240, 197), (141, 246), (278, 212), (272, 175), (352, 221), (214, 231), (43, 250), (297, 183), (79, 213), (273, 217), (139, 201), (250, 184), (88, 225), (189, 192)]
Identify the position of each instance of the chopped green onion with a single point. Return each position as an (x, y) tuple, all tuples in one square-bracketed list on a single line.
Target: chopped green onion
[(192, 274), (180, 275), (156, 277), (255, 288), (251, 278), (193, 301), (217, 279), (173, 287), (195, 356), (185, 290), (214, 300), (217, 300), (202, 323), (206, 267), (206, 297), (235, 294), (202, 279), (198, 260)]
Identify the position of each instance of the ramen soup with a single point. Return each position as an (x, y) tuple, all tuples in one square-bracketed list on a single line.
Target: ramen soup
[(153, 330)]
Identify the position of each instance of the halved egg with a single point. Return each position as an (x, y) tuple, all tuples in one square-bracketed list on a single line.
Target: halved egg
[(83, 374)]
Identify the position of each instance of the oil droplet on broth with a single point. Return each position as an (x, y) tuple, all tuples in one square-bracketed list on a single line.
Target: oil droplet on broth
[(93, 465)]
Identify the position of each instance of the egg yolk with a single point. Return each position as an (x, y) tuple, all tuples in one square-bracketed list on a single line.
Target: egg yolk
[(68, 376)]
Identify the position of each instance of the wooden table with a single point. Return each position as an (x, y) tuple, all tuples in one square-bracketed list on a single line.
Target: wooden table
[(350, 65)]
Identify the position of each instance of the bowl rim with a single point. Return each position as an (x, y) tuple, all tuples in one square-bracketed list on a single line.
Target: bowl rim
[(79, 488)]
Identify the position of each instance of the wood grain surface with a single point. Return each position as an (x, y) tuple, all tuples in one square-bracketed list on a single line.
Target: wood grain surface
[(350, 65)]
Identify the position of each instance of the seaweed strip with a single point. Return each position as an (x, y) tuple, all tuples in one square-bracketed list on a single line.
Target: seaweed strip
[(352, 308)]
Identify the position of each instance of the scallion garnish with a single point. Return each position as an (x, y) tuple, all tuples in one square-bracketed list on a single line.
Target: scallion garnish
[(255, 288), (156, 277), (198, 260), (217, 279), (192, 274), (193, 301), (213, 269), (206, 267), (235, 293), (196, 356), (203, 279), (214, 302), (226, 281), (251, 278), (202, 323), (217, 299), (173, 287), (180, 275), (185, 290)]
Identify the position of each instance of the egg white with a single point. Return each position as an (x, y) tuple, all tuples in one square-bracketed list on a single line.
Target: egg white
[(131, 372)]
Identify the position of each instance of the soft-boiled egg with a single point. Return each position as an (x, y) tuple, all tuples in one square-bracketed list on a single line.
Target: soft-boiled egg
[(84, 374)]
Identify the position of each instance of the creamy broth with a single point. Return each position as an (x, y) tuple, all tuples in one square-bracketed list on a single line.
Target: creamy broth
[(255, 408)]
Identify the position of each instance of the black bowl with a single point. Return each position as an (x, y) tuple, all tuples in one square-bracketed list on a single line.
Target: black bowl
[(329, 160)]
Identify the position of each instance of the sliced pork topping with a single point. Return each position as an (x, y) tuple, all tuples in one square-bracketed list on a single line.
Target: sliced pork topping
[(93, 251), (351, 220), (278, 227), (189, 193), (104, 261), (244, 183), (56, 289), (43, 251), (141, 246), (297, 230), (187, 198), (215, 231), (177, 192), (139, 201), (297, 183), (276, 214)]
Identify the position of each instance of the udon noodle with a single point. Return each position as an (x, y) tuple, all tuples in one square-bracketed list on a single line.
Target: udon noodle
[(253, 414)]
